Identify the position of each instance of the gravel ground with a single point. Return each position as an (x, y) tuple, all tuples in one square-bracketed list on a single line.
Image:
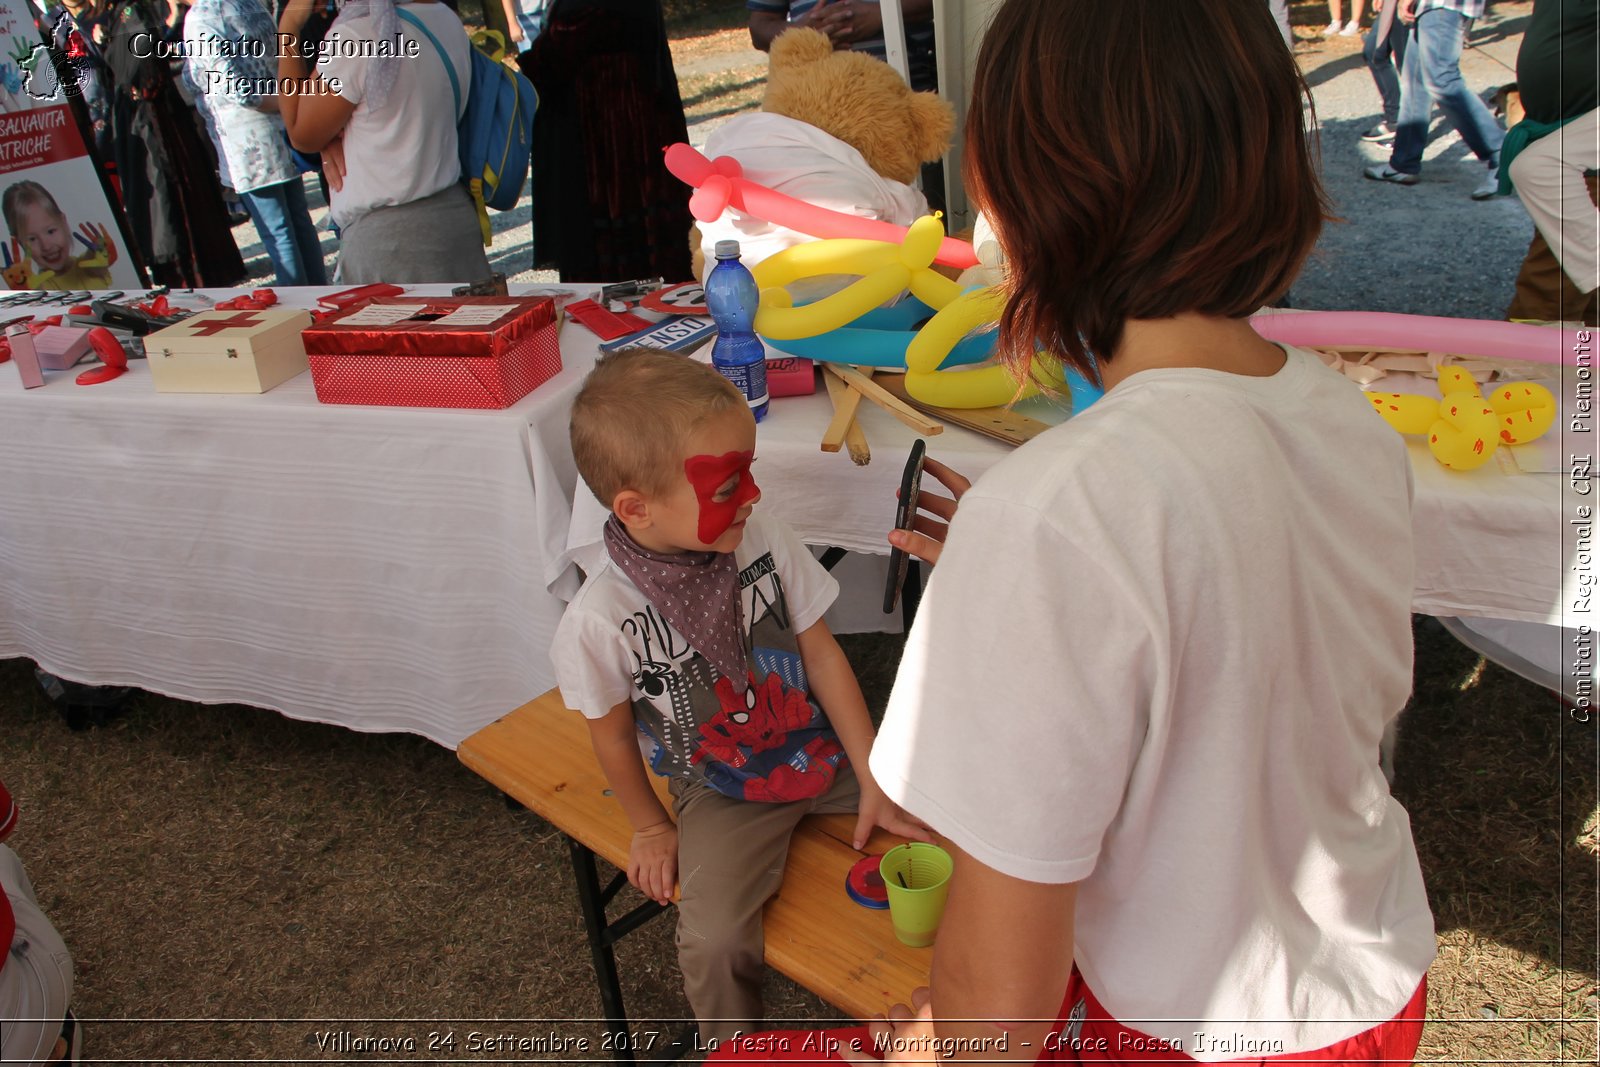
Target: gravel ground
[(1426, 249)]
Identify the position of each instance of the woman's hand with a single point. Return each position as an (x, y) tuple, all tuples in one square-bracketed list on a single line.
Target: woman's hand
[(906, 1036), (925, 539), (333, 163)]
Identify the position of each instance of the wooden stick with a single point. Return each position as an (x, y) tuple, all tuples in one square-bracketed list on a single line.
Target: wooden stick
[(885, 400), (846, 400)]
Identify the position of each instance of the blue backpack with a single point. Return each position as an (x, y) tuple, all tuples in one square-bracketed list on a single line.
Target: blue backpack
[(496, 130)]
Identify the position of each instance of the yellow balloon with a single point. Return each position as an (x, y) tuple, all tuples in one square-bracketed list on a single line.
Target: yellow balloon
[(1467, 432), (957, 318), (1526, 411), (1456, 380), (886, 270), (981, 387), (784, 323), (1406, 412), (923, 238), (841, 255)]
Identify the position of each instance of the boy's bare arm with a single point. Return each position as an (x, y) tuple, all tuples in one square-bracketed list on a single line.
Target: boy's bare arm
[(833, 683), (653, 853)]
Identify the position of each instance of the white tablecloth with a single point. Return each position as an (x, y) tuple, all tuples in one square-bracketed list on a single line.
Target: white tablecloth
[(379, 568), (1488, 541), (405, 568)]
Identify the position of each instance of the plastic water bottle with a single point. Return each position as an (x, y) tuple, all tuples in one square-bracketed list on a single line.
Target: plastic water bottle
[(732, 298)]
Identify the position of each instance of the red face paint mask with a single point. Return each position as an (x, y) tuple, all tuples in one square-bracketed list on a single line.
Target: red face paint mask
[(710, 473)]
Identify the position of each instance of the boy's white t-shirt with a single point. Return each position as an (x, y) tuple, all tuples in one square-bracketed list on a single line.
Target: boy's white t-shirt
[(406, 149), (772, 743), (1156, 658)]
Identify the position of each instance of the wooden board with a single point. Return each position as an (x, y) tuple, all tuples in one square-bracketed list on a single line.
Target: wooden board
[(847, 954), (999, 423)]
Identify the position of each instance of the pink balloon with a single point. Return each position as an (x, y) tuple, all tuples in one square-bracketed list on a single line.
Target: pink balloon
[(1424, 333), (720, 184)]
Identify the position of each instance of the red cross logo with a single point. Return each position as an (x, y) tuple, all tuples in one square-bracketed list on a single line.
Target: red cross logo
[(240, 319)]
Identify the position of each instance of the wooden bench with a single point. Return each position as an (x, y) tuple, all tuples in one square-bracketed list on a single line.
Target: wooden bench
[(540, 756)]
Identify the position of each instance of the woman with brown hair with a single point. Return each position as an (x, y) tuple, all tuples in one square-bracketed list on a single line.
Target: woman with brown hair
[(1143, 698)]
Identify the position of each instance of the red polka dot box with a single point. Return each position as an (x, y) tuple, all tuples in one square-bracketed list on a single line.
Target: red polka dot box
[(436, 352)]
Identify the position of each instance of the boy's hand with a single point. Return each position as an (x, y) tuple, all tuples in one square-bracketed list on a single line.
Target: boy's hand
[(653, 861), (878, 810)]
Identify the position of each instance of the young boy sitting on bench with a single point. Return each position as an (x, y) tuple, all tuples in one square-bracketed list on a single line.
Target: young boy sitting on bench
[(699, 641)]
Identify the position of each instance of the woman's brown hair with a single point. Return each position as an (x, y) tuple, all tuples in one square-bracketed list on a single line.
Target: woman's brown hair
[(1138, 159)]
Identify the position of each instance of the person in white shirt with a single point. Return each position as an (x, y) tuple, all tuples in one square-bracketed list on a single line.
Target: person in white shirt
[(380, 108), (1143, 698)]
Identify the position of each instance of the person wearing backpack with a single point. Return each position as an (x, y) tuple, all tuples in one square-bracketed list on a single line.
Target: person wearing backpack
[(385, 120)]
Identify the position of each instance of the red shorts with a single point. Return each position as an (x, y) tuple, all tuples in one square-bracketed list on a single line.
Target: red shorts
[(1087, 1034)]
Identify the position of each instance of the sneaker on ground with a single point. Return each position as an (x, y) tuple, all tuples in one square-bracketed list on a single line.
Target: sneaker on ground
[(1489, 187), (1351, 29), (1382, 172), (1333, 27), (1382, 133)]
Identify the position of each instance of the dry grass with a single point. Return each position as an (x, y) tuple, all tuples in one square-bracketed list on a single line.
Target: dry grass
[(730, 92), (710, 42), (225, 863)]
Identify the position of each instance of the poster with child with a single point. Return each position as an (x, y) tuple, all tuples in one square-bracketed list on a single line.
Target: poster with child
[(62, 231)]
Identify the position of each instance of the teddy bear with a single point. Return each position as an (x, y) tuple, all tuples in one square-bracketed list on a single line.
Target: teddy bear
[(838, 129)]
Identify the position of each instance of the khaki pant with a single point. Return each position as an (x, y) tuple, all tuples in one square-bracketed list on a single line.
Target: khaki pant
[(1545, 291), (731, 855)]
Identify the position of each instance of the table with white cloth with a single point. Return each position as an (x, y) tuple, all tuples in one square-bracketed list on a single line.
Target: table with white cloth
[(1488, 541), (386, 568), (381, 568)]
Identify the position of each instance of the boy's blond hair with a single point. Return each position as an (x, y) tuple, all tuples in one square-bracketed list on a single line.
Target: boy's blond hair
[(633, 414)]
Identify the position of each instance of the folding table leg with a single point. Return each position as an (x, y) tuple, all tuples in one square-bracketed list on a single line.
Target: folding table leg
[(593, 903), (603, 934)]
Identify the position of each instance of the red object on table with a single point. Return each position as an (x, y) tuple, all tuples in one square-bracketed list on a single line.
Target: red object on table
[(359, 295), (113, 359), (451, 352), (606, 324), (791, 376)]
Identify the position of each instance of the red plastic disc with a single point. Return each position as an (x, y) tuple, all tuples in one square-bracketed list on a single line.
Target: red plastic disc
[(108, 348), (103, 373), (865, 885)]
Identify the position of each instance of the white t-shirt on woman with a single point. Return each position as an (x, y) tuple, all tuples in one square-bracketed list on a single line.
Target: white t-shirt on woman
[(406, 149), (1156, 658)]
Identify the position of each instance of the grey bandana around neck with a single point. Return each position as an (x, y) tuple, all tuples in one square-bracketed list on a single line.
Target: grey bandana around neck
[(696, 592)]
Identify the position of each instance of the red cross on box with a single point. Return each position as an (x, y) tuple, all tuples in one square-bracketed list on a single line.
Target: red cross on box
[(239, 319)]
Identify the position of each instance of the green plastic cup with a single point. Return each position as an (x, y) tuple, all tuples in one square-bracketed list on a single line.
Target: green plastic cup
[(918, 878)]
